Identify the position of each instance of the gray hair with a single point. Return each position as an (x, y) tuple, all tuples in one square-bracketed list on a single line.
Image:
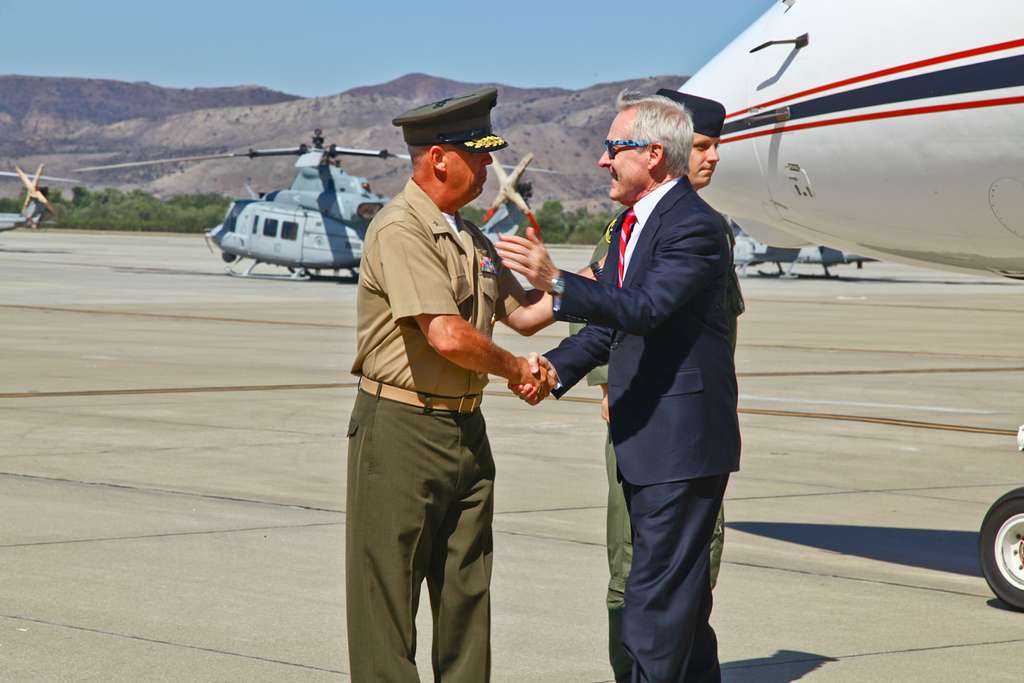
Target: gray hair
[(416, 152), (661, 120)]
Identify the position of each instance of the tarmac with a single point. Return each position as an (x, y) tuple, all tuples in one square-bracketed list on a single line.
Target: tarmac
[(172, 471)]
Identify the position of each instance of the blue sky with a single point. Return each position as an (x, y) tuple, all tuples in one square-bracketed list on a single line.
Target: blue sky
[(320, 48)]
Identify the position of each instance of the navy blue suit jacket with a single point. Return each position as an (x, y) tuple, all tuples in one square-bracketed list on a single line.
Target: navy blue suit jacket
[(665, 338)]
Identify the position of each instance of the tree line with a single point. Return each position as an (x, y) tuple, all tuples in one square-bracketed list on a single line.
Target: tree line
[(137, 210)]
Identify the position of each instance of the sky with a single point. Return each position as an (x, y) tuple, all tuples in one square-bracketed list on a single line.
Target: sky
[(322, 48)]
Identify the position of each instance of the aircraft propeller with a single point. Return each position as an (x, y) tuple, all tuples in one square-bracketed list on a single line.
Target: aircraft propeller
[(510, 193)]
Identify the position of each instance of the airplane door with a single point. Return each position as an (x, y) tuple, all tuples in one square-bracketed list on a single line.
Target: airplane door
[(739, 188), (776, 69)]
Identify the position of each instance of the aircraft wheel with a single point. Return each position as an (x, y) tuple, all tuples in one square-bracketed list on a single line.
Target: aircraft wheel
[(1001, 546)]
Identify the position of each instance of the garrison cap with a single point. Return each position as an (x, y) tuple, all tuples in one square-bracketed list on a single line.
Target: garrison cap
[(708, 115), (463, 121)]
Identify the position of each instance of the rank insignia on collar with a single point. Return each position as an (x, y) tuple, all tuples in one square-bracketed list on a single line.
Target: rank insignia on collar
[(487, 265)]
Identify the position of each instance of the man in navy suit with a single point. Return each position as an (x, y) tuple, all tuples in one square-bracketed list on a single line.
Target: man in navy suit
[(656, 317)]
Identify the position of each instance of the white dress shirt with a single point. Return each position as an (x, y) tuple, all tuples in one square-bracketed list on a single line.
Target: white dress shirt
[(643, 210), (453, 223)]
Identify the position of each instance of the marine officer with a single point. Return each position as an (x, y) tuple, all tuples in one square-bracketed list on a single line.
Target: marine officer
[(708, 117), (420, 472)]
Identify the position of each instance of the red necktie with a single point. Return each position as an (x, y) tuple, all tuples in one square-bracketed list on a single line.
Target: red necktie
[(628, 224)]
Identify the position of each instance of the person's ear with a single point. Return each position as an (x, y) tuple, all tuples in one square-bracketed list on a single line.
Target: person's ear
[(656, 154), (437, 158)]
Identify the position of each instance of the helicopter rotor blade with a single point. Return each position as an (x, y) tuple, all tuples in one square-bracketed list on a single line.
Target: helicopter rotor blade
[(508, 167), (9, 174), (356, 152), (173, 160)]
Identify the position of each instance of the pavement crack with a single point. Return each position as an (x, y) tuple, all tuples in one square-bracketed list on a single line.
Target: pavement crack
[(570, 508), (910, 492), (170, 643), (170, 492), (168, 534), (858, 579), (546, 537), (880, 653)]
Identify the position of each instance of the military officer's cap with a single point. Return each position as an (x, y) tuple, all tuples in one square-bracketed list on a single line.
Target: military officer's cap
[(463, 121), (708, 115)]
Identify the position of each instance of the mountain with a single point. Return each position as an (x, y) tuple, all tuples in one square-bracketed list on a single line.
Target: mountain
[(563, 128), (34, 111)]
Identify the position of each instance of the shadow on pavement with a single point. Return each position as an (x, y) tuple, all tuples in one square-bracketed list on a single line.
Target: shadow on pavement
[(782, 667), (948, 551)]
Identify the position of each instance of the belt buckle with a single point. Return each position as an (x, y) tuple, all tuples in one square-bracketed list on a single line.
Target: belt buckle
[(428, 402)]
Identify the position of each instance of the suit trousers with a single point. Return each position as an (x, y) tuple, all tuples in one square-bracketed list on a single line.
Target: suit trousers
[(419, 507), (619, 542), (668, 594)]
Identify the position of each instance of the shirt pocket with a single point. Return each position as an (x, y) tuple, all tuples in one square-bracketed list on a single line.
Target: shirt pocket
[(489, 286), (463, 292)]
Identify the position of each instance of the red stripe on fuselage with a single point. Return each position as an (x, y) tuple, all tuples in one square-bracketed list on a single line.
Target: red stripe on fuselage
[(998, 47), (913, 111)]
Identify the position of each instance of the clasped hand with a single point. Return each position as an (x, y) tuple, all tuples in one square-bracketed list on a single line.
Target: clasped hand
[(542, 379)]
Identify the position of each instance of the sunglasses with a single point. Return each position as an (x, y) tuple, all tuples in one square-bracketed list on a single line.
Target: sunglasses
[(613, 146)]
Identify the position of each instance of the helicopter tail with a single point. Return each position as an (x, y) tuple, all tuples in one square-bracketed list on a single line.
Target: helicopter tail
[(507, 219)]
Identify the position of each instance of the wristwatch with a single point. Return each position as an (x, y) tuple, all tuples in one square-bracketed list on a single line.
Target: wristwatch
[(558, 285)]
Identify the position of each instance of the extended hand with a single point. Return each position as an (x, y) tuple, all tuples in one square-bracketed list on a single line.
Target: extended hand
[(529, 257), (544, 380)]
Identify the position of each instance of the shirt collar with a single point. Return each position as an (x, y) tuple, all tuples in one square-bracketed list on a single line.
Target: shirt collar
[(425, 208), (645, 206)]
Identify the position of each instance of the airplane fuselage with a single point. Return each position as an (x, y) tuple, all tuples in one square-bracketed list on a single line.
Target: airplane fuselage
[(895, 132)]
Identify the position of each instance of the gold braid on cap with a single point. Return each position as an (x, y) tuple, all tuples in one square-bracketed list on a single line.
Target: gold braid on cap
[(489, 141)]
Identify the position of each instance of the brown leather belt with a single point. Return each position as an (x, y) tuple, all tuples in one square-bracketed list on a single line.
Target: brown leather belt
[(456, 404)]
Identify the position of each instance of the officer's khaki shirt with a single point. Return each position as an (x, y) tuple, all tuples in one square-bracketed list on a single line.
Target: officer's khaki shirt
[(413, 264)]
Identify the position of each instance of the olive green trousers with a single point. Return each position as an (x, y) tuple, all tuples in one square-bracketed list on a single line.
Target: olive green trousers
[(620, 558), (420, 505)]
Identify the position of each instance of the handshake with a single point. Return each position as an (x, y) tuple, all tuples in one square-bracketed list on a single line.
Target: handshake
[(536, 379)]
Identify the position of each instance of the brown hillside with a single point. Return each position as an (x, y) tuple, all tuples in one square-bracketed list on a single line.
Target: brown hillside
[(563, 128)]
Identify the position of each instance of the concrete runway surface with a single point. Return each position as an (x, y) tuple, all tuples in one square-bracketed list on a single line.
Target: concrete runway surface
[(172, 471)]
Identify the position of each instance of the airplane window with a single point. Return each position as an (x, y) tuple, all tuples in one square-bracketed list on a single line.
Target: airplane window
[(289, 230), (269, 227)]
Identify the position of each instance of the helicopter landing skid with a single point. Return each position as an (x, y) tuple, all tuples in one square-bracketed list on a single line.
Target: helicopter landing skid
[(295, 273)]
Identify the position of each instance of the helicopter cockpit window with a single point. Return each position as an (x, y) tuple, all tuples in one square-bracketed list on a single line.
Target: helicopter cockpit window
[(289, 230), (269, 227), (255, 224)]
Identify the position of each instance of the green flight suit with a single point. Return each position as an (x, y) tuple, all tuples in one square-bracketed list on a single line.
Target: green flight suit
[(618, 532)]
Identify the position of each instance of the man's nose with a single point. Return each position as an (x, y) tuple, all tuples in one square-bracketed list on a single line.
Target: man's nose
[(605, 161), (713, 154), (487, 159)]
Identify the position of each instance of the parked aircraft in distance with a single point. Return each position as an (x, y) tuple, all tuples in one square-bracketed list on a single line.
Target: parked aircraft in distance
[(36, 207), (749, 252)]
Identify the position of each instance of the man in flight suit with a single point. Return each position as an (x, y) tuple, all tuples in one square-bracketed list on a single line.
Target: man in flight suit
[(420, 472)]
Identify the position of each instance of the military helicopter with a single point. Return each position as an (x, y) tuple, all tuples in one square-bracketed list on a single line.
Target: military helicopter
[(318, 223), (36, 207)]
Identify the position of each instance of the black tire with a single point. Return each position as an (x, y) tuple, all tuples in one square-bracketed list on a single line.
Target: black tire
[(994, 560)]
